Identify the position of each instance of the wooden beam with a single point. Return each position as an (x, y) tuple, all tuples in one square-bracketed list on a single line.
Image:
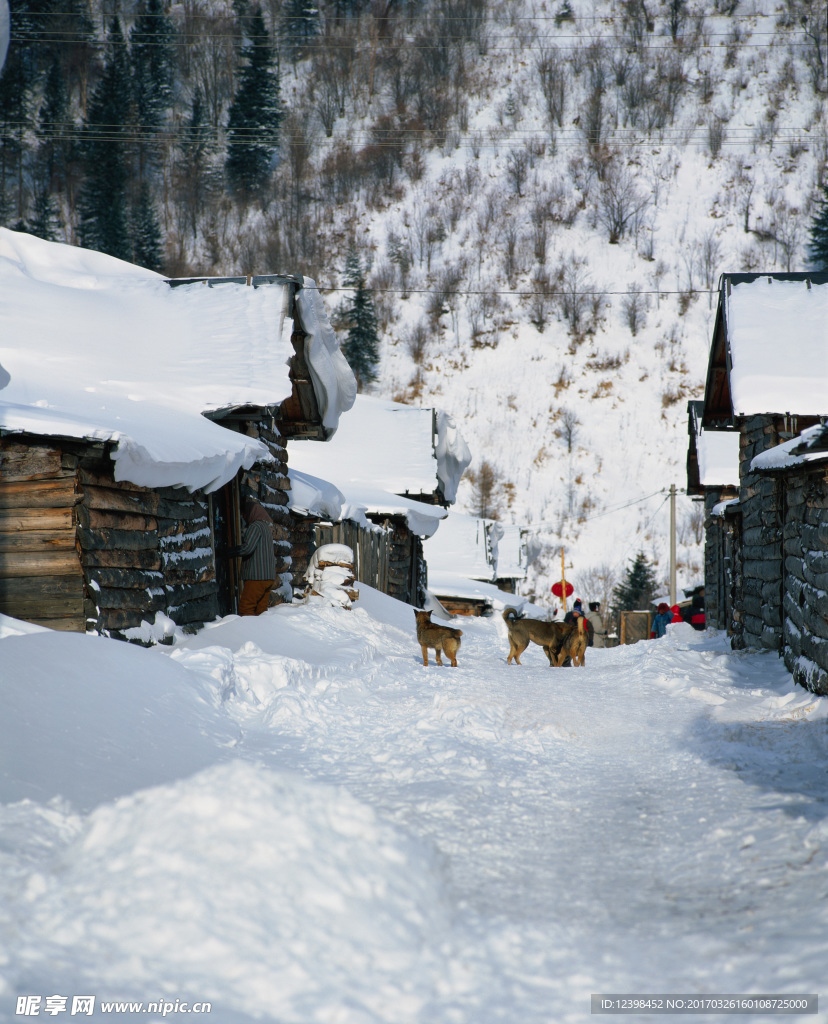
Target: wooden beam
[(135, 502), (29, 462), (107, 558), (39, 563), (42, 597), (35, 519), (29, 494), (38, 540), (70, 624)]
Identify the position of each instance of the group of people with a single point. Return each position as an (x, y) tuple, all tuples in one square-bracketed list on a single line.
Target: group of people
[(693, 614), (593, 621), (597, 630)]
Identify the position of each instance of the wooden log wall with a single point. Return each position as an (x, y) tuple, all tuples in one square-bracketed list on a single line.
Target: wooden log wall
[(758, 611), (41, 579), (273, 485), (805, 601), (143, 551), (718, 577)]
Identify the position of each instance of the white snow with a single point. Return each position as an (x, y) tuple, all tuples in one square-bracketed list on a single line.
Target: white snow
[(387, 446), (293, 819), (718, 457), (781, 455), (465, 546), (778, 337), (93, 347)]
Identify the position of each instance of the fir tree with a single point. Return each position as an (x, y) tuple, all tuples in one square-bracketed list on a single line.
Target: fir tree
[(191, 176), (300, 24), (818, 247), (146, 234), (151, 57), (54, 128), (361, 347), (637, 589), (16, 82), (102, 202), (255, 115)]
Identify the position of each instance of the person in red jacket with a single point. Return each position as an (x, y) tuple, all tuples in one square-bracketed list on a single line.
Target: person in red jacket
[(676, 614)]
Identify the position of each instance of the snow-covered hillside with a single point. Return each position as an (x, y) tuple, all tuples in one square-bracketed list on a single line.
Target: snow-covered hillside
[(551, 285)]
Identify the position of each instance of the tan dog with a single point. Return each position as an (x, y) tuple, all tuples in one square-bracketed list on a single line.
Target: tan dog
[(522, 630), (574, 643), (440, 638)]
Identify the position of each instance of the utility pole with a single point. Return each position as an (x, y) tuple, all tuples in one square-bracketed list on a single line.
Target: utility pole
[(563, 580), (672, 544)]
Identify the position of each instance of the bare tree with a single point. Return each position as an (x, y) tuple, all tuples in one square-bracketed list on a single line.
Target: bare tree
[(569, 429), (517, 168), (619, 202), (552, 73), (634, 307)]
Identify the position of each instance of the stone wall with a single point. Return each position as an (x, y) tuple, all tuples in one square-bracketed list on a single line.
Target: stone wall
[(758, 603), (805, 593)]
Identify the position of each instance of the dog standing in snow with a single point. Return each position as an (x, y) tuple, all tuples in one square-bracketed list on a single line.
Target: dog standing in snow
[(440, 638)]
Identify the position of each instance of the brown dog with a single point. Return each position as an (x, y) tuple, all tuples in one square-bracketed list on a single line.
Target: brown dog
[(522, 630), (440, 638), (575, 643)]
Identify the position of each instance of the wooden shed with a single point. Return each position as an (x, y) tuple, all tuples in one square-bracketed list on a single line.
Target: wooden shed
[(115, 495)]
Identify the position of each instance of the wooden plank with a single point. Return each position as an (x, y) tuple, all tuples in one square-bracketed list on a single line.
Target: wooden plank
[(114, 559), (131, 600), (141, 502), (116, 540), (38, 540), (35, 519), (29, 462), (114, 619), (70, 624), (30, 494), (97, 518), (43, 597), (105, 478), (39, 563), (129, 579)]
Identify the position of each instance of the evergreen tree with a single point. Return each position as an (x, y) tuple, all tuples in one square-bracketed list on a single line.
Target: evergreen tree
[(300, 24), (818, 248), (191, 174), (45, 220), (102, 201), (16, 82), (146, 234), (636, 590), (151, 56), (255, 114), (361, 347), (54, 128)]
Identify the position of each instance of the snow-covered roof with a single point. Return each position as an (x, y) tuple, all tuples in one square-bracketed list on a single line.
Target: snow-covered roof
[(452, 584), (777, 333), (92, 347), (464, 546), (782, 456), (311, 495), (387, 446), (511, 553)]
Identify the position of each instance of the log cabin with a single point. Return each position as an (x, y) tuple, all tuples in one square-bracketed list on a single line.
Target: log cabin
[(382, 486), (767, 381), (135, 411)]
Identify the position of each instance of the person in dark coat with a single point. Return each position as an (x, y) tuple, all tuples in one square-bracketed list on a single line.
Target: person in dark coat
[(258, 559), (695, 613), (578, 612)]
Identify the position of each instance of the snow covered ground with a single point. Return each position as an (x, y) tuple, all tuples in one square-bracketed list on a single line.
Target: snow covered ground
[(291, 818)]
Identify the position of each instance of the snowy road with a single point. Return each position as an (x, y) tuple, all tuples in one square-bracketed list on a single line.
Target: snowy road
[(375, 841)]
